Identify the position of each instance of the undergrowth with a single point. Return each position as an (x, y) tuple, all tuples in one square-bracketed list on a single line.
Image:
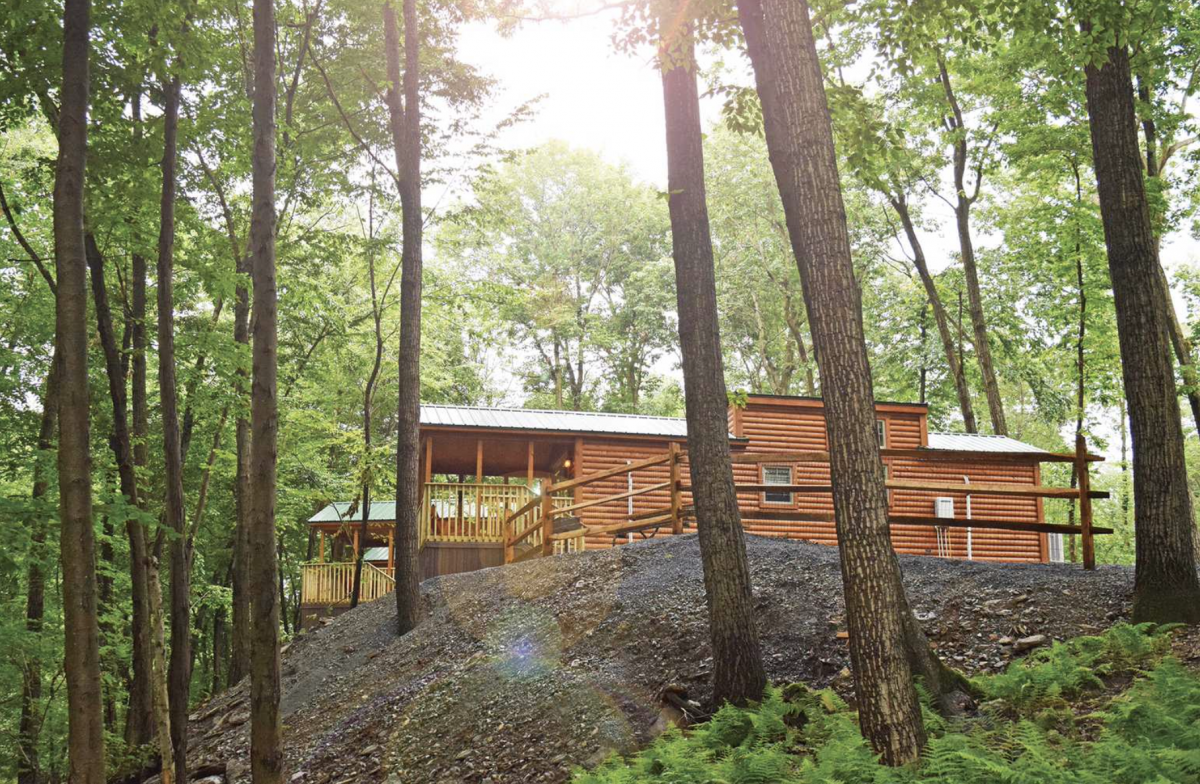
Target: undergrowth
[(1109, 709)]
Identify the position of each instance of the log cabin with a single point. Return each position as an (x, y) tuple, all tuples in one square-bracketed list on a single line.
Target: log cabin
[(504, 484)]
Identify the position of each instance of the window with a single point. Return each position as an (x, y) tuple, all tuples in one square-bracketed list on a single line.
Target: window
[(777, 475), (881, 433)]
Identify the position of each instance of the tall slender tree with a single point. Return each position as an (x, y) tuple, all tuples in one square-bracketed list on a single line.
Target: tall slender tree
[(239, 653), (738, 673), (266, 728), (121, 444), (405, 117), (179, 675), (81, 662), (1166, 587), (29, 727), (887, 646)]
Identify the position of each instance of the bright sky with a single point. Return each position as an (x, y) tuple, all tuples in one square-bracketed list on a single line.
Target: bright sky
[(611, 102)]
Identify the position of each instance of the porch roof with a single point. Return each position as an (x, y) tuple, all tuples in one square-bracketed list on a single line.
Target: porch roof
[(496, 418), (381, 511)]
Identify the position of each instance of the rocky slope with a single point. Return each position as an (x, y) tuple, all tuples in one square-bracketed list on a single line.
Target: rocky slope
[(521, 672)]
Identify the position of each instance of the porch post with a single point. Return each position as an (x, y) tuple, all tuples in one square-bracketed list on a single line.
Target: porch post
[(321, 546), (391, 549), (529, 477), (478, 489), (428, 459)]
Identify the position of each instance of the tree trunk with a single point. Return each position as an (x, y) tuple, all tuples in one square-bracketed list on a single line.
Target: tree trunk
[(1165, 584), (266, 727), (887, 646), (179, 674), (159, 686), (239, 653), (406, 141), (738, 674), (81, 660), (953, 357), (962, 216), (368, 396), (29, 729), (138, 728)]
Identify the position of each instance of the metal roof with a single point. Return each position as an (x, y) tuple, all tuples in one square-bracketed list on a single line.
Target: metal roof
[(553, 421), (336, 512), (974, 442)]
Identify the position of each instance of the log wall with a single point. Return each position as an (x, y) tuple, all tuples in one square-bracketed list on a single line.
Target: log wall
[(790, 425)]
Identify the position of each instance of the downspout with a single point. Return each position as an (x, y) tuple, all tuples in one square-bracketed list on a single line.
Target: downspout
[(970, 554)]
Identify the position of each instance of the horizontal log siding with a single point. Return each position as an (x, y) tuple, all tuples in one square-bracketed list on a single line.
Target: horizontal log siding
[(986, 545), (768, 428), (776, 428), (601, 454)]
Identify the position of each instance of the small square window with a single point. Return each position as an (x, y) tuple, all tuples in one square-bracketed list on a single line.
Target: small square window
[(881, 433), (777, 475)]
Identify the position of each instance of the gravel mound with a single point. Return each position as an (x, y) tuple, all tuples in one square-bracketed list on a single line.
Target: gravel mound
[(521, 672)]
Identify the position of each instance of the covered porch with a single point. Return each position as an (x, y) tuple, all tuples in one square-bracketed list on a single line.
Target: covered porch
[(475, 487)]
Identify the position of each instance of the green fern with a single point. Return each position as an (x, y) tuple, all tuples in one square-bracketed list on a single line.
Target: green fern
[(1031, 733)]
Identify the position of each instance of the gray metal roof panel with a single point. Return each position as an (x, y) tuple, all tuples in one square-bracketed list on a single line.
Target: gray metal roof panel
[(974, 442), (555, 421)]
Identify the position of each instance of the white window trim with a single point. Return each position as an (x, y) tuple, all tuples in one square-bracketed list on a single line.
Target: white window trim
[(791, 477), (881, 433)]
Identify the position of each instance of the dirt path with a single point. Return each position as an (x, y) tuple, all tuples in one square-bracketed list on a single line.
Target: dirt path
[(521, 672)]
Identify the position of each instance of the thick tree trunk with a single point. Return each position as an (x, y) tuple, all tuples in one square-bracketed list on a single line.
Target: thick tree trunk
[(1165, 584), (266, 728), (81, 660), (738, 673), (887, 646), (406, 140), (29, 728), (239, 653), (179, 675), (138, 731), (953, 356)]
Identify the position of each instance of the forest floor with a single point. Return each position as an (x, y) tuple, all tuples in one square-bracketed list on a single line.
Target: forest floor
[(520, 673)]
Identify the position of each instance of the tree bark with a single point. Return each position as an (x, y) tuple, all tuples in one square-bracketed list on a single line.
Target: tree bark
[(179, 669), (962, 219), (738, 673), (266, 728), (887, 646), (406, 140), (29, 728), (159, 687), (239, 653), (81, 660), (138, 728), (953, 357), (1165, 583)]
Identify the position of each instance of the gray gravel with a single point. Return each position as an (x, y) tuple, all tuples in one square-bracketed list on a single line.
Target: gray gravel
[(521, 672)]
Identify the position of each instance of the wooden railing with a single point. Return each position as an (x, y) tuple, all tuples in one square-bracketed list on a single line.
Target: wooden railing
[(331, 584), (468, 512)]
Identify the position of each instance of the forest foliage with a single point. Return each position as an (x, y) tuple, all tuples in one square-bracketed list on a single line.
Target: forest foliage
[(548, 280)]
